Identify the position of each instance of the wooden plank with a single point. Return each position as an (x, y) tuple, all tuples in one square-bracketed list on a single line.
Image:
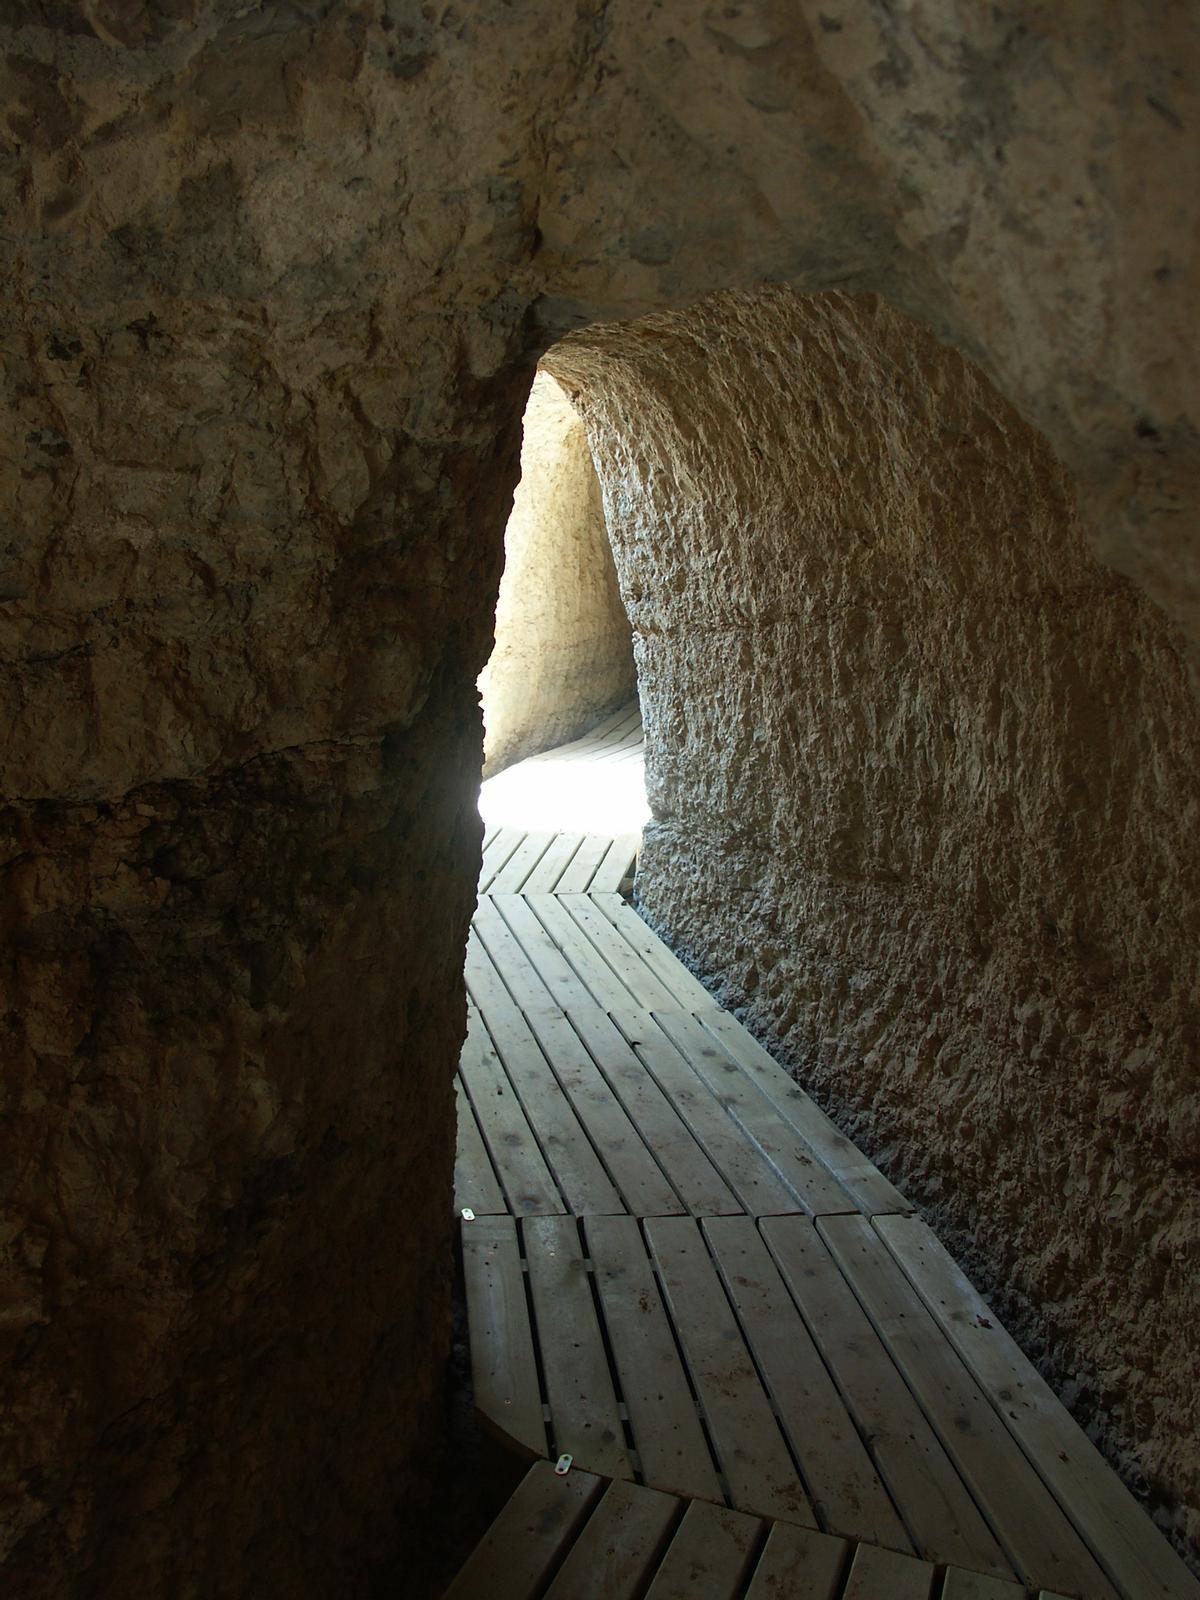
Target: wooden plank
[(1124, 1540), (581, 751), (503, 844), (614, 722), (584, 863), (618, 1550), (603, 750), (484, 985), (553, 864), (840, 1477), (530, 959), (475, 1183), (709, 1555), (632, 740), (884, 1575), (630, 745), (486, 989), (504, 960), (521, 863), (630, 720), (621, 1141), (798, 1564), (528, 1183), (610, 725), (686, 990), (632, 1166), (603, 984), (943, 1520), (566, 1148), (814, 1186), (528, 1539), (618, 863), (741, 1164), (1029, 1523), (583, 1404), (699, 1185), (616, 762), (662, 1413), (858, 1176), (503, 1365), (640, 980), (749, 1446), (960, 1585)]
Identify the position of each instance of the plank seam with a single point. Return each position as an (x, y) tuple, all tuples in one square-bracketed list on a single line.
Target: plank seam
[(1033, 1457), (665, 1301), (866, 1435), (939, 1434), (543, 1386), (619, 1099), (812, 1498), (520, 1099)]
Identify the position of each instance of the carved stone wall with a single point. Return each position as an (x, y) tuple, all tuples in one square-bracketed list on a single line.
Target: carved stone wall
[(923, 778), (563, 654), (275, 280)]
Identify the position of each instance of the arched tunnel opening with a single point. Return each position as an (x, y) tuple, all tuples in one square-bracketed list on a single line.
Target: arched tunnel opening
[(870, 646), (563, 653)]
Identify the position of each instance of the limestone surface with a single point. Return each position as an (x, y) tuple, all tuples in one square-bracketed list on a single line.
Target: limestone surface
[(924, 785), (275, 278), (564, 653)]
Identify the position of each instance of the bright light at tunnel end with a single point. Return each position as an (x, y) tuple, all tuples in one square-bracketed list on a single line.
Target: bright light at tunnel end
[(562, 796)]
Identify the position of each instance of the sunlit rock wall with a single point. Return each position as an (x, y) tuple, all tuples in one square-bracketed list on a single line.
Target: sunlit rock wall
[(1019, 177), (563, 654), (926, 799)]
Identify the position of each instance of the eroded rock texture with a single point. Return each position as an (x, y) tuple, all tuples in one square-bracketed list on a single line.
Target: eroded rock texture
[(924, 780), (274, 278), (563, 654), (255, 479)]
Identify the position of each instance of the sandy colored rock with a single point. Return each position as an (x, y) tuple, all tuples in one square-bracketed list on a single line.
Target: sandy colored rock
[(923, 778), (564, 653), (275, 278)]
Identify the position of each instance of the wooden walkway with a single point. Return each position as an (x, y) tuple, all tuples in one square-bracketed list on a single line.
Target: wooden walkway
[(520, 857), (769, 1375)]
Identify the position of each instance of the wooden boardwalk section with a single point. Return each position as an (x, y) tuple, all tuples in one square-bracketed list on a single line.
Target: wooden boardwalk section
[(771, 1378)]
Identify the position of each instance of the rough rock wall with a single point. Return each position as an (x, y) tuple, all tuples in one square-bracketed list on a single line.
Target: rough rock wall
[(1020, 177), (925, 788), (274, 279), (1041, 161), (255, 475), (564, 653)]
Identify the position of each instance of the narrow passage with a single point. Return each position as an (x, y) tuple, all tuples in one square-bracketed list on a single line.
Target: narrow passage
[(769, 1376)]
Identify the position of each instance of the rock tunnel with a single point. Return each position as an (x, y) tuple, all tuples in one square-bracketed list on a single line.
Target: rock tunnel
[(877, 327)]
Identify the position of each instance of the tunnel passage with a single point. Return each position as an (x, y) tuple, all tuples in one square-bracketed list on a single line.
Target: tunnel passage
[(616, 1121), (277, 274), (922, 782), (563, 655)]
